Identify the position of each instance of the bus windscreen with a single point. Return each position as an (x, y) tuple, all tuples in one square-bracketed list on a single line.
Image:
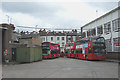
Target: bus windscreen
[(99, 45), (45, 44)]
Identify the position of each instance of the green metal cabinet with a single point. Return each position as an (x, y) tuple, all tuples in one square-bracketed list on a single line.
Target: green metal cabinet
[(29, 54)]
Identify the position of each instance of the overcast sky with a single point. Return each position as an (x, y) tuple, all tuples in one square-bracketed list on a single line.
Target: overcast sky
[(53, 14)]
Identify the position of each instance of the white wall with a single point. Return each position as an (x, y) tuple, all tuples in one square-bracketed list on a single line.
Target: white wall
[(60, 41), (102, 21), (0, 53), (74, 38)]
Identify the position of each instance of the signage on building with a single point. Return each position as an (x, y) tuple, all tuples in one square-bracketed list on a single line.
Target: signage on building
[(117, 44)]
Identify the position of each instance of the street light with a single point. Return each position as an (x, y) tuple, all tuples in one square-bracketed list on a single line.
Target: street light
[(8, 18), (36, 27)]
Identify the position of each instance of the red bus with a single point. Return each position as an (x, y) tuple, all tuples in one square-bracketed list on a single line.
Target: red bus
[(50, 50), (70, 50), (67, 50), (91, 48), (72, 54)]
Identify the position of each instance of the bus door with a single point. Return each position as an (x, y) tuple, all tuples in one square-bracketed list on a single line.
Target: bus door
[(53, 53), (85, 50)]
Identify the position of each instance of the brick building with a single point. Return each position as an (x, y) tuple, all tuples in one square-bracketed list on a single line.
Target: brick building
[(9, 45), (30, 39), (72, 36)]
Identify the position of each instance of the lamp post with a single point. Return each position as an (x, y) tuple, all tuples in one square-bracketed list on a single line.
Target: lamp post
[(36, 27), (112, 42), (8, 18)]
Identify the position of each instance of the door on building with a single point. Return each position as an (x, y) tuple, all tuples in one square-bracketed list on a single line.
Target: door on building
[(14, 54)]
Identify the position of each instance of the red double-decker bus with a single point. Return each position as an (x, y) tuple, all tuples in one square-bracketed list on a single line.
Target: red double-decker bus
[(50, 50), (72, 54), (67, 50), (70, 50), (91, 48)]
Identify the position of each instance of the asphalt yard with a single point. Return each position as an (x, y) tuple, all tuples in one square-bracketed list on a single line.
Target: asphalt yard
[(62, 68)]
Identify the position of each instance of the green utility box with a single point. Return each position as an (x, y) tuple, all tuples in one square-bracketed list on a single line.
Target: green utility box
[(29, 54)]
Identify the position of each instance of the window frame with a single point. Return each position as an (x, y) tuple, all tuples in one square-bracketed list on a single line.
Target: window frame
[(107, 27), (58, 38), (63, 38), (51, 38), (116, 25)]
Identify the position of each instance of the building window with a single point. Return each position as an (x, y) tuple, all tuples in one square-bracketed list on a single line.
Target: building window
[(51, 38), (107, 28), (57, 38), (93, 31), (63, 44), (83, 34), (100, 29), (43, 39), (26, 42), (62, 38), (69, 39), (88, 33), (116, 25)]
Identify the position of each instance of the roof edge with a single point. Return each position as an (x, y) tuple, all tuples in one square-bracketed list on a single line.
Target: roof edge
[(101, 16)]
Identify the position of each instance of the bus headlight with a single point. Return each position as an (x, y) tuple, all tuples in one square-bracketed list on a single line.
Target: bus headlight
[(89, 48)]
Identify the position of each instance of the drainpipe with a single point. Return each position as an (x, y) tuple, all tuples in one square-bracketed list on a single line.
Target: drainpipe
[(1, 53), (112, 42)]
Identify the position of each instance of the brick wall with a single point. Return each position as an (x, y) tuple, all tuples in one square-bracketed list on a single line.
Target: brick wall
[(32, 41), (13, 45), (37, 40)]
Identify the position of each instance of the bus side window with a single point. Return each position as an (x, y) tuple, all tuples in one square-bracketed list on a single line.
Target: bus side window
[(79, 51)]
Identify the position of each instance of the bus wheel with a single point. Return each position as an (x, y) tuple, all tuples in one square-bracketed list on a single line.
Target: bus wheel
[(86, 57)]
